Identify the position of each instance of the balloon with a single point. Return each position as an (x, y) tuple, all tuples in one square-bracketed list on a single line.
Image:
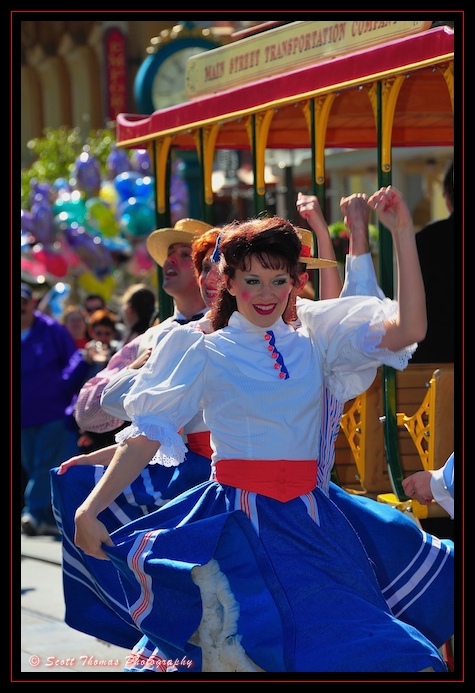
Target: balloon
[(117, 244), (88, 174), (136, 217), (53, 261), (39, 192), (26, 240), (43, 223), (89, 249), (125, 184), (117, 162), (109, 194), (140, 161), (27, 222), (70, 207), (67, 252), (56, 299), (94, 285), (145, 188), (34, 268), (101, 214), (61, 185), (141, 262)]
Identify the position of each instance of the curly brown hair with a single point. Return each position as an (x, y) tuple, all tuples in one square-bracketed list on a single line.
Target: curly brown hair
[(274, 241), (200, 247)]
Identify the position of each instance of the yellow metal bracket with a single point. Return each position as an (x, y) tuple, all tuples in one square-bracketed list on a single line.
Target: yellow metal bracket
[(262, 125), (161, 149), (390, 92), (322, 114), (448, 72), (422, 512), (210, 135), (353, 423), (420, 425)]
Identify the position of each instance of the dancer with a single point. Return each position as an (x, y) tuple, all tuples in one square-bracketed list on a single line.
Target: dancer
[(236, 547)]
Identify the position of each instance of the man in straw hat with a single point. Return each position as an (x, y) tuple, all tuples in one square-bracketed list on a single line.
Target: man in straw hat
[(171, 249)]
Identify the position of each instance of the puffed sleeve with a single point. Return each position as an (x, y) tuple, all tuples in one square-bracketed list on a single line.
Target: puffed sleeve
[(166, 393), (348, 331), (442, 486), (360, 277)]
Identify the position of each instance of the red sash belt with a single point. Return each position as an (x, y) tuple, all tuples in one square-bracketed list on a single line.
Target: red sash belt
[(199, 443), (278, 479)]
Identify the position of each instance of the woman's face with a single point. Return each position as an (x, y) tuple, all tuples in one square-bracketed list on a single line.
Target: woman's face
[(261, 294), (208, 279)]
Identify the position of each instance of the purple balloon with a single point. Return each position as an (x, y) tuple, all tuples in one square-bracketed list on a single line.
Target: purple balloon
[(117, 162), (27, 222), (44, 227), (89, 249), (141, 162), (39, 192), (88, 174)]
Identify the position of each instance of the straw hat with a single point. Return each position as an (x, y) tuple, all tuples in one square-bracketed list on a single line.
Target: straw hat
[(307, 252), (184, 231)]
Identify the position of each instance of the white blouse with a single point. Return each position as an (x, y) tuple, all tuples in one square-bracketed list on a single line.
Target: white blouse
[(254, 409)]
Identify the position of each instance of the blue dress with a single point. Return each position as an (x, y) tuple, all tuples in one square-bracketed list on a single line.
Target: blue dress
[(225, 579)]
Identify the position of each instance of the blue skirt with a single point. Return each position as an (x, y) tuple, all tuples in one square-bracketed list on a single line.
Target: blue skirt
[(94, 599), (224, 580)]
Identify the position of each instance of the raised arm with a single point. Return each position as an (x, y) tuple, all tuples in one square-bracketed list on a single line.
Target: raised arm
[(410, 325), (360, 276), (309, 208)]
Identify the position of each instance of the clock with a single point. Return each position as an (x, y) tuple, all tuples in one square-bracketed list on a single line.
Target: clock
[(160, 81)]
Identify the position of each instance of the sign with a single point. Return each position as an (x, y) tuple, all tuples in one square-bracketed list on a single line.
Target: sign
[(287, 48), (115, 58)]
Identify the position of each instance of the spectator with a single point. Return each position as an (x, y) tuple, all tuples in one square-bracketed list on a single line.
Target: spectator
[(46, 350), (438, 274), (98, 352), (138, 307), (103, 331), (93, 302), (74, 320)]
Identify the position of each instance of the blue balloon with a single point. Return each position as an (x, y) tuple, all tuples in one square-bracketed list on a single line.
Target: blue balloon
[(125, 184), (136, 217)]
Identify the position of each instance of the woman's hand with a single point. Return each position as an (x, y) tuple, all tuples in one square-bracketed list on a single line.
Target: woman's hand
[(72, 462), (392, 211), (91, 534), (102, 456)]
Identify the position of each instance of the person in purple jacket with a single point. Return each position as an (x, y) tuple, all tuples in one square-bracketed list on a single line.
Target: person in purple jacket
[(47, 350)]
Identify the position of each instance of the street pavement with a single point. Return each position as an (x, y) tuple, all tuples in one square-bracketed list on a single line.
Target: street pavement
[(48, 645)]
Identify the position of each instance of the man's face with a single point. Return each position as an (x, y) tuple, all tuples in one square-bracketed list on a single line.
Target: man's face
[(92, 306), (178, 271)]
